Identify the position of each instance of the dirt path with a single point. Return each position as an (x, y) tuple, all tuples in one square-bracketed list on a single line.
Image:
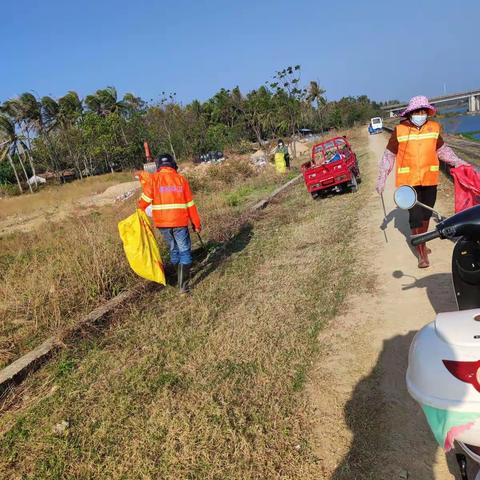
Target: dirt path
[(368, 426)]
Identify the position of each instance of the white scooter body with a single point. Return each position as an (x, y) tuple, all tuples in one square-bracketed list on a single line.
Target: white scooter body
[(444, 359), (444, 367)]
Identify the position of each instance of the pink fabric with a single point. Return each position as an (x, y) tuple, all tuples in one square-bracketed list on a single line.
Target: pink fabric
[(418, 102), (453, 433), (447, 155), (467, 187), (384, 168)]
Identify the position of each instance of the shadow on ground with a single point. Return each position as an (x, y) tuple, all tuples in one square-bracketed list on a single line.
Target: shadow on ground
[(208, 259), (400, 223), (391, 439), (438, 287)]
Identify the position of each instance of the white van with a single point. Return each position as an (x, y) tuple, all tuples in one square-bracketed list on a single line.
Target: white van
[(376, 125)]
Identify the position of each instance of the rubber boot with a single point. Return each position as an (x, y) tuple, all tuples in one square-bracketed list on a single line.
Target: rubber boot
[(184, 278), (171, 273), (425, 230), (423, 261), (421, 250)]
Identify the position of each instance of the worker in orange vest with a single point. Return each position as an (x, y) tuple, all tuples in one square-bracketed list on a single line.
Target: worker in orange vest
[(173, 209), (416, 146)]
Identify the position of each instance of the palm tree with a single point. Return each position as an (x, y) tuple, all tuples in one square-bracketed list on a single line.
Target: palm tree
[(94, 104), (105, 101), (25, 111), (50, 110), (11, 141), (32, 121), (50, 121), (70, 109), (315, 94)]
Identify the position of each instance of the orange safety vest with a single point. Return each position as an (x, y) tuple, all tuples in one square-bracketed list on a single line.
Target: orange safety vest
[(417, 160), (171, 199)]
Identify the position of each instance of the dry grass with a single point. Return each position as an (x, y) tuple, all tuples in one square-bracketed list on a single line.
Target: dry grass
[(51, 276), (205, 387), (55, 195)]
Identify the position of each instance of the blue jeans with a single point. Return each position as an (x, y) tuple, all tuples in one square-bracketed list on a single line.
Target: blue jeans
[(179, 244)]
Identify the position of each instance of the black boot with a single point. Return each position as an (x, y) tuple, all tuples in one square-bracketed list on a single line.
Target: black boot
[(184, 278), (170, 270)]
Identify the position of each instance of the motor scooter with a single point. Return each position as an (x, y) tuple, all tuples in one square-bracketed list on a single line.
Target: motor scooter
[(443, 373)]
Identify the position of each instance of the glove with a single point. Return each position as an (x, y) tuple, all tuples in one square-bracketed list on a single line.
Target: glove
[(380, 187)]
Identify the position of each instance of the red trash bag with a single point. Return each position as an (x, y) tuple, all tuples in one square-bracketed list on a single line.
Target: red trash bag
[(467, 187)]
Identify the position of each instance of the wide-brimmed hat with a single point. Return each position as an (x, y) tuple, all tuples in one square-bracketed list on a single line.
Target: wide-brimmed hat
[(418, 102)]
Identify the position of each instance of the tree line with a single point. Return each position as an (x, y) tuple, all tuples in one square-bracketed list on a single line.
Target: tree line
[(103, 132)]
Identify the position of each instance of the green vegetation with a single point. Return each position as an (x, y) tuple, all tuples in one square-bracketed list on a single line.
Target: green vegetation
[(70, 136), (471, 135)]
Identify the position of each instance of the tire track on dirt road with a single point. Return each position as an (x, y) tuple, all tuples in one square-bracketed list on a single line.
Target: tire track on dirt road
[(367, 424)]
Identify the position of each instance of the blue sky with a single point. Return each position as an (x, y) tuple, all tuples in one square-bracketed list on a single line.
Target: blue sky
[(193, 47)]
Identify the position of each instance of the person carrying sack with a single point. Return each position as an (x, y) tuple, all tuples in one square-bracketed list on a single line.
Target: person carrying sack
[(415, 148), (173, 208), (282, 149)]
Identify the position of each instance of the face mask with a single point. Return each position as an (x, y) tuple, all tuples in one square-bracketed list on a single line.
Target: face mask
[(418, 120)]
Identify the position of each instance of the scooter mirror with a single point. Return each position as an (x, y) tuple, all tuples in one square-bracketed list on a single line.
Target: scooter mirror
[(405, 197)]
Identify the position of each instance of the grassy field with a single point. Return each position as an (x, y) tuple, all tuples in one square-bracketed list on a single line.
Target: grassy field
[(51, 276), (205, 387)]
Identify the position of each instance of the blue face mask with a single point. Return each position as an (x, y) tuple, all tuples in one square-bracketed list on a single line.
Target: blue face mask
[(419, 120)]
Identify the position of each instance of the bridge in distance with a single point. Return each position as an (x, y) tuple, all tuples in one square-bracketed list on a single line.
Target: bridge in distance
[(472, 97)]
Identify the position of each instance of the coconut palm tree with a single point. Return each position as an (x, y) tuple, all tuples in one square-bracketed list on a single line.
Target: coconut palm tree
[(25, 111), (50, 111), (315, 94), (11, 141), (94, 104), (70, 109), (105, 101)]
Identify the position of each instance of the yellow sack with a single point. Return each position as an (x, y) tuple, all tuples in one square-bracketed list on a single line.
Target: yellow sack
[(141, 247), (280, 163)]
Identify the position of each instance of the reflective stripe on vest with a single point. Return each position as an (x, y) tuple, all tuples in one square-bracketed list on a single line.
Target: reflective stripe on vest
[(173, 206), (417, 136), (433, 168), (147, 199)]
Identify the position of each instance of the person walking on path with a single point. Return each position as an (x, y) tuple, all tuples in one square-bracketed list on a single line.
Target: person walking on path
[(173, 208), (416, 146)]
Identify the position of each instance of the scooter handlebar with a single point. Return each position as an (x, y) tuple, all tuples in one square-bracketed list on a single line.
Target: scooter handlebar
[(424, 237)]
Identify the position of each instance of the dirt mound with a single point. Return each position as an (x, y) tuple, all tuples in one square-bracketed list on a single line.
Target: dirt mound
[(118, 192), (61, 210)]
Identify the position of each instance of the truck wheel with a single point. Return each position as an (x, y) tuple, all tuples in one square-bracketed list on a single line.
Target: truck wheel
[(353, 184), (315, 195)]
